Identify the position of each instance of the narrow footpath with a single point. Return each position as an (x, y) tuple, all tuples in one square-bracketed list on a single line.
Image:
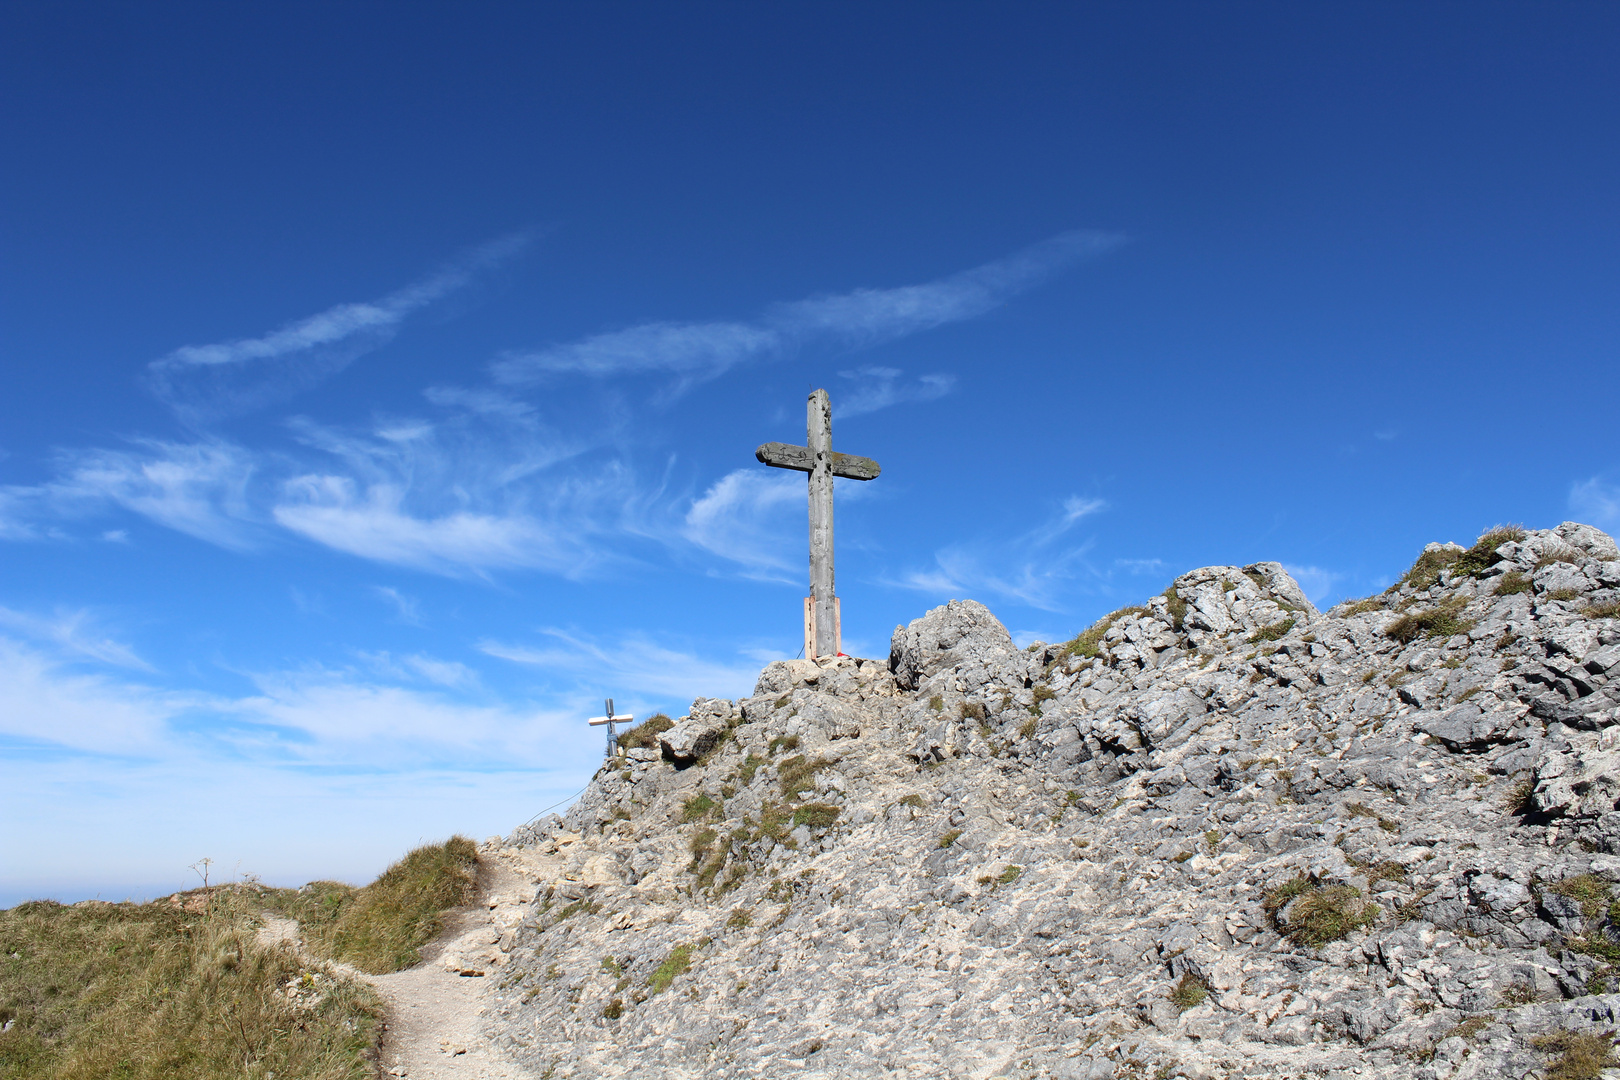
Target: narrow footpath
[(434, 1029)]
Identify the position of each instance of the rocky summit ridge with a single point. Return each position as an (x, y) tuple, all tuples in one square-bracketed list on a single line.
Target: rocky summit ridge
[(1219, 834)]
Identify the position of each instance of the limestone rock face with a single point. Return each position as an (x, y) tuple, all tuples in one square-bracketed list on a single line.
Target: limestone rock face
[(1219, 834), (962, 636)]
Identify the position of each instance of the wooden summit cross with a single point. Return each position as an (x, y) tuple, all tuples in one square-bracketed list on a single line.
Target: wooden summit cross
[(822, 626)]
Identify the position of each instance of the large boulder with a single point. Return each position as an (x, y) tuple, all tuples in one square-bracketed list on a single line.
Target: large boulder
[(962, 635), (700, 731)]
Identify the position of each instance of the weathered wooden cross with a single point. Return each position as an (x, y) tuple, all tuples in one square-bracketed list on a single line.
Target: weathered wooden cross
[(822, 625)]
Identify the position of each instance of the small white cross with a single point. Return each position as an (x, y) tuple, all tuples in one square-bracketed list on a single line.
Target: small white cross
[(610, 719)]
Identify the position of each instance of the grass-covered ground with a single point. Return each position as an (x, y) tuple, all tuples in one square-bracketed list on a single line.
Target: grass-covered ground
[(180, 989), (383, 926)]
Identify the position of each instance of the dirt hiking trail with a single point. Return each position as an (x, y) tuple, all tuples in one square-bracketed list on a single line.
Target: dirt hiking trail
[(435, 1025)]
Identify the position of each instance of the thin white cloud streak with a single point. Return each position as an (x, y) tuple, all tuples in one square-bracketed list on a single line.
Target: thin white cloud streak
[(638, 665), (203, 383), (72, 634), (880, 387), (858, 319), (1023, 570), (406, 608), (756, 518), (1595, 502), (742, 517)]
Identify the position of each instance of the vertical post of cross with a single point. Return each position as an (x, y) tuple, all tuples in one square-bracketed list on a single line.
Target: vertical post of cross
[(818, 431), (610, 719)]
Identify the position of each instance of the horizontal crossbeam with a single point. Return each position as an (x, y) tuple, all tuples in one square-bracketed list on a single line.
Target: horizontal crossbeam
[(800, 459)]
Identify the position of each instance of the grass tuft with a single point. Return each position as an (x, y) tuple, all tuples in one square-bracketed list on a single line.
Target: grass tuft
[(644, 736), (1189, 993), (1275, 632), (1437, 622), (1582, 1055), (1089, 643), (1604, 609), (382, 927), (1310, 913), (678, 962), (1512, 583)]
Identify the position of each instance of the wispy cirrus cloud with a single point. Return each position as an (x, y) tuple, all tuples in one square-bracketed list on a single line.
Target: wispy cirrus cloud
[(200, 489), (698, 351), (1024, 569), (1595, 501), (74, 635), (875, 388), (641, 666), (204, 383)]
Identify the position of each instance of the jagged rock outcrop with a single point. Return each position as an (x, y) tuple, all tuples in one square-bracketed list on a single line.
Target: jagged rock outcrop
[(1220, 834)]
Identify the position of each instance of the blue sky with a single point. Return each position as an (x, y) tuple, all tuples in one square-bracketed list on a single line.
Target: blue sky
[(382, 381)]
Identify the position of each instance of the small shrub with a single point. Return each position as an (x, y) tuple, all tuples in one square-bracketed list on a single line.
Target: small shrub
[(741, 919), (783, 742), (1189, 993), (936, 703), (1582, 1055), (1511, 583), (1564, 594), (614, 1010), (1275, 632), (972, 710), (644, 736), (950, 838), (1027, 728)]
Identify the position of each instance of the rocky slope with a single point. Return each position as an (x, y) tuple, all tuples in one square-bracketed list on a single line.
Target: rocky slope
[(1221, 834)]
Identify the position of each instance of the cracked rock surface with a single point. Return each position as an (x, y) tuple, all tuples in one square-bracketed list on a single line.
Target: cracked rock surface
[(1220, 834)]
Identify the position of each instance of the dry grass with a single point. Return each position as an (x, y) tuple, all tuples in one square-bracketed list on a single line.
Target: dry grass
[(1581, 1056), (644, 736), (169, 991), (1439, 621), (1310, 913), (382, 927), (1089, 643)]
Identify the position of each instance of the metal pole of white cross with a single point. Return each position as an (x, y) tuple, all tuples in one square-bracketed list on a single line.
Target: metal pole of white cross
[(610, 719)]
